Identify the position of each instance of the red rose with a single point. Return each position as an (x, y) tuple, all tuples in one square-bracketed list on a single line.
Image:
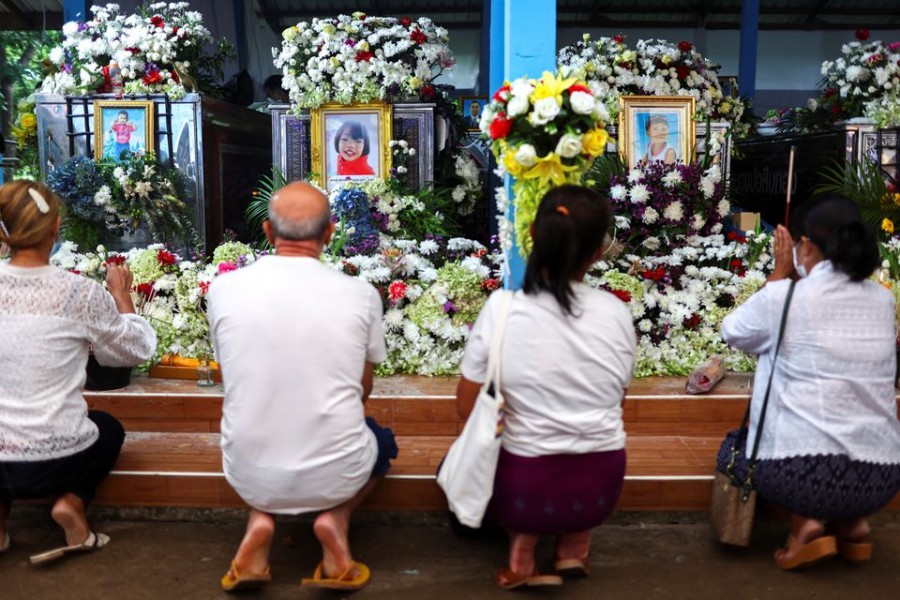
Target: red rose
[(682, 71), (364, 56), (152, 77), (737, 267), (654, 274), (500, 127), (685, 46), (577, 87), (175, 31), (157, 21), (145, 290), (829, 92), (428, 91), (502, 94), (165, 258), (862, 34), (417, 36), (405, 21), (623, 295), (836, 108), (116, 259), (618, 38), (692, 322)]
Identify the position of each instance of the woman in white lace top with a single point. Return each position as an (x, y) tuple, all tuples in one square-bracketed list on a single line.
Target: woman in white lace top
[(830, 448), (50, 445)]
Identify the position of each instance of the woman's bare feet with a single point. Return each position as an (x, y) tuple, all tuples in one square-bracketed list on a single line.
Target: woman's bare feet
[(332, 528), (68, 512), (573, 545), (253, 554), (521, 553), (851, 531), (806, 544)]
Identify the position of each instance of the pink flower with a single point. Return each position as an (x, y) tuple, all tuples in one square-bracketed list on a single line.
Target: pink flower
[(226, 266)]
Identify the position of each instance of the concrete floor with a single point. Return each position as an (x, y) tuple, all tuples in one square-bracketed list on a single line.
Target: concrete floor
[(416, 557)]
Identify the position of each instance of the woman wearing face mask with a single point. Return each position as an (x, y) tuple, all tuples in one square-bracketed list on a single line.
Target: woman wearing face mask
[(830, 448)]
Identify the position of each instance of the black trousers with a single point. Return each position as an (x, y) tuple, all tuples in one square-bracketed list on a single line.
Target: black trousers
[(80, 473)]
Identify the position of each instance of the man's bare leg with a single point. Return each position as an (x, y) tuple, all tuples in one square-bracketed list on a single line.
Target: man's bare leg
[(253, 554), (68, 512), (332, 529)]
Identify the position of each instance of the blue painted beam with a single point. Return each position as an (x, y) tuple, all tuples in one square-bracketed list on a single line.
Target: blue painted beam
[(528, 49), (75, 10), (749, 45), (241, 33)]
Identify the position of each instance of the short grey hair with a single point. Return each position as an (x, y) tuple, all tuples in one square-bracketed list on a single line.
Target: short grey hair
[(299, 230)]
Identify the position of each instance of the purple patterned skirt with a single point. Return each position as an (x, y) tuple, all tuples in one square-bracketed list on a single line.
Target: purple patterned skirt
[(559, 493), (824, 487)]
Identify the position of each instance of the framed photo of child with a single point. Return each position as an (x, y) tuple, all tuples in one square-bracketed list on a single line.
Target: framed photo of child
[(350, 142), (656, 129), (122, 128)]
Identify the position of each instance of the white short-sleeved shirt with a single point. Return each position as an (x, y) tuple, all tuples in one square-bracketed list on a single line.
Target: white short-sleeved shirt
[(50, 319), (292, 337), (563, 377), (833, 387)]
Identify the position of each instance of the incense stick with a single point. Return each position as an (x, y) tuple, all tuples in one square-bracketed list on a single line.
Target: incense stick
[(790, 181)]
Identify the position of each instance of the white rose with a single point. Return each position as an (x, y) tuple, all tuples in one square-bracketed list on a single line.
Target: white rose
[(545, 110), (569, 145), (57, 56), (582, 103), (521, 87), (526, 155), (518, 105)]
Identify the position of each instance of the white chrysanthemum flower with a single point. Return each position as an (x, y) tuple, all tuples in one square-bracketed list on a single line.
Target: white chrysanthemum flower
[(650, 215), (639, 194), (651, 243), (618, 192), (723, 208), (635, 175), (674, 212), (672, 178), (393, 318)]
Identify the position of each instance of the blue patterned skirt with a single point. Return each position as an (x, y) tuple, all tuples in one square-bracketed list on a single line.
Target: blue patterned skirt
[(824, 487)]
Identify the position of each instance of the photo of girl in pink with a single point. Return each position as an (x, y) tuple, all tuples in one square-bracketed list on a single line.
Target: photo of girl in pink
[(351, 142), (658, 147), (122, 129)]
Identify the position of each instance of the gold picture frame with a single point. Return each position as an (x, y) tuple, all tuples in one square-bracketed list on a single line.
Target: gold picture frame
[(668, 119), (110, 141), (358, 157)]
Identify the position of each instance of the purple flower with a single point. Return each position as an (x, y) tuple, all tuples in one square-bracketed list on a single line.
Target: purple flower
[(450, 308)]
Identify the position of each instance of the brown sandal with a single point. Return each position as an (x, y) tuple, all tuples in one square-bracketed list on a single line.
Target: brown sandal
[(509, 580), (809, 554), (855, 551)]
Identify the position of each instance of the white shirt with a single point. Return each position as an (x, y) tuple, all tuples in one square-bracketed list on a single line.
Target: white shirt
[(48, 319), (833, 388), (293, 337), (563, 377)]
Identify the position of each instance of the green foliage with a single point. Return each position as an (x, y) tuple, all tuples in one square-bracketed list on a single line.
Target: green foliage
[(258, 209), (864, 183), (605, 167)]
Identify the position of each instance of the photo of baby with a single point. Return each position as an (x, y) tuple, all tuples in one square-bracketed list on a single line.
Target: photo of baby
[(122, 129)]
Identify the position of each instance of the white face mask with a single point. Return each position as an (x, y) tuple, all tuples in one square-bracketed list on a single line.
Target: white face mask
[(799, 267)]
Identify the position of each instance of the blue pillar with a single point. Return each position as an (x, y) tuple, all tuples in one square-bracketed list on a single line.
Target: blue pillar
[(749, 44), (523, 42), (75, 10)]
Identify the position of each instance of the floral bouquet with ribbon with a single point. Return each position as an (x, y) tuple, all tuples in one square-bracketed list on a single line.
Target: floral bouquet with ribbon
[(545, 133)]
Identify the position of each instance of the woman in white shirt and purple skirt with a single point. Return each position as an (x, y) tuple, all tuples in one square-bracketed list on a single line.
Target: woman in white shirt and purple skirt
[(830, 448)]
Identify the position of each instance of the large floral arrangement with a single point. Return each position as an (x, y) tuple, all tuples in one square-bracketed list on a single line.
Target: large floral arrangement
[(159, 49), (653, 67), (863, 81), (545, 133), (662, 207), (360, 58), (104, 197)]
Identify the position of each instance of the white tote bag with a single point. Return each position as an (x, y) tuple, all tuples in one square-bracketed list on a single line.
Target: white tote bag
[(467, 475)]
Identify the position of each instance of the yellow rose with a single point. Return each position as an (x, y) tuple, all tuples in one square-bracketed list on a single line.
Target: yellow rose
[(594, 142), (887, 226), (512, 165), (666, 59), (725, 108)]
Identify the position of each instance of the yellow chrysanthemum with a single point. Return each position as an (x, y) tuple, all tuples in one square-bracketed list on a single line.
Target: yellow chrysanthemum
[(887, 226), (594, 142), (29, 121), (897, 199), (551, 87), (549, 168)]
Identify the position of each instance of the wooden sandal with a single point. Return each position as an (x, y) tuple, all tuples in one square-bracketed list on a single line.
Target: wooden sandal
[(510, 580), (809, 554), (855, 551)]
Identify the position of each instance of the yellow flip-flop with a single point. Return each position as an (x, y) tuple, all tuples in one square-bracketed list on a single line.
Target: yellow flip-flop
[(346, 581), (237, 582)]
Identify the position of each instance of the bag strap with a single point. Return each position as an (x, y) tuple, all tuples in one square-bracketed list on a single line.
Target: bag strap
[(748, 483), (492, 375)]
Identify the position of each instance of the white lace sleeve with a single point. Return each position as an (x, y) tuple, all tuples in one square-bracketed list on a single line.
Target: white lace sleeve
[(118, 340)]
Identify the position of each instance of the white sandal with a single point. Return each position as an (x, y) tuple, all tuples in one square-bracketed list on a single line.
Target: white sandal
[(93, 542)]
